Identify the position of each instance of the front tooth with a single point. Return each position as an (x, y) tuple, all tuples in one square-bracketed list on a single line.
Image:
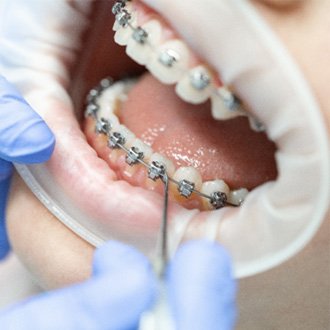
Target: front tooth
[(123, 33), (140, 49), (170, 62), (169, 166), (110, 99), (210, 187), (224, 105), (236, 197), (188, 178), (195, 86)]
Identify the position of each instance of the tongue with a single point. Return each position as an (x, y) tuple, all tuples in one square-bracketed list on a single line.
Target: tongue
[(189, 136)]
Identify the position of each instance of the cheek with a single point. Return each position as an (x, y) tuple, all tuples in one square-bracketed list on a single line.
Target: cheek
[(54, 255)]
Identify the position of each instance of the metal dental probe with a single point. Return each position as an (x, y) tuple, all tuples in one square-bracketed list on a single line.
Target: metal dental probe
[(159, 318)]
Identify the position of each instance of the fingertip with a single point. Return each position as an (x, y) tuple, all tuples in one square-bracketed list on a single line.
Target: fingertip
[(4, 243), (204, 252), (202, 289), (114, 255), (38, 143), (6, 170)]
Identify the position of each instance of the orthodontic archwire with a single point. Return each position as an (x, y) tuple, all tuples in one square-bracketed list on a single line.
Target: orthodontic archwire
[(156, 170), (198, 79)]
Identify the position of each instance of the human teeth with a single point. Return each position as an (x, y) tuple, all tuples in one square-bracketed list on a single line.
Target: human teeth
[(110, 100), (195, 86), (236, 197), (256, 125), (169, 166), (224, 105), (170, 61), (189, 179), (125, 133), (139, 48), (124, 32), (211, 187), (141, 147)]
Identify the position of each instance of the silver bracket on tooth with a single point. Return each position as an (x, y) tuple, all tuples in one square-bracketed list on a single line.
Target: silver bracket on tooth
[(199, 80), (103, 126), (93, 94), (91, 110), (123, 17), (229, 99), (140, 35), (218, 199), (116, 140), (118, 7), (186, 188), (133, 156), (168, 57), (156, 170)]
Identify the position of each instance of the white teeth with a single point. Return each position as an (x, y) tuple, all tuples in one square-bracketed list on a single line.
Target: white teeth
[(170, 61), (123, 34), (169, 166), (111, 98), (224, 105), (236, 197), (256, 125), (189, 174), (126, 133), (210, 187), (142, 147), (142, 52), (195, 86), (113, 119)]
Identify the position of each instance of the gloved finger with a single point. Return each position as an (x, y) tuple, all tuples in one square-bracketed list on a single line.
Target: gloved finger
[(4, 244), (112, 299), (24, 137), (5, 169), (201, 287)]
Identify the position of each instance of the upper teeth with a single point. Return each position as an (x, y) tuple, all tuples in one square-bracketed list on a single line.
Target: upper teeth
[(194, 85)]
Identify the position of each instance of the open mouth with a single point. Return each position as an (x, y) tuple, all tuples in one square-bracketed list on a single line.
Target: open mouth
[(178, 117), (183, 114)]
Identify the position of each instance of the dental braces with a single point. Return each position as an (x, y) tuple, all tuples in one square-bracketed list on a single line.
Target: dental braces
[(168, 57), (156, 170)]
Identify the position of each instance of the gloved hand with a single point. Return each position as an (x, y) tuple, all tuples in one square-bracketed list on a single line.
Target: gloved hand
[(24, 138), (123, 285)]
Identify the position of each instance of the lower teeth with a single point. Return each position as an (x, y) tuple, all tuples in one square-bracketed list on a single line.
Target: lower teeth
[(156, 169)]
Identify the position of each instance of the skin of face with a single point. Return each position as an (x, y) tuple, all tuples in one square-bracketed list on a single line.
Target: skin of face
[(295, 294)]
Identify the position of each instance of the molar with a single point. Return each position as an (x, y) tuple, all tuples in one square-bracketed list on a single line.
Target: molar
[(170, 61), (236, 197), (196, 85), (142, 52)]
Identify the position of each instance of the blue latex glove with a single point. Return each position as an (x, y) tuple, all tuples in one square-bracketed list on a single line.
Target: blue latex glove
[(24, 138), (202, 291), (123, 285)]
